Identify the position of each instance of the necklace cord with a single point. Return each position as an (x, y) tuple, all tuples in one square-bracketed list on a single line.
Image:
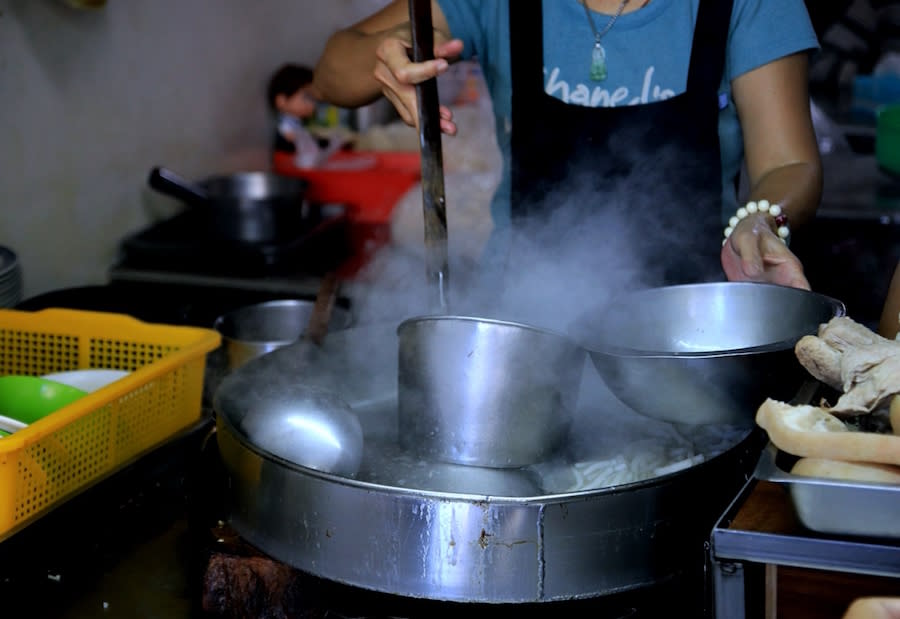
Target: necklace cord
[(609, 24)]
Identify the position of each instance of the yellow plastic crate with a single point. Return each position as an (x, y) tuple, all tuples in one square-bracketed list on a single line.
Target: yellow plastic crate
[(67, 451)]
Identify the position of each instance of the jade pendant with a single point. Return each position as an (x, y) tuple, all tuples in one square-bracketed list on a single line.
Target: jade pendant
[(598, 63)]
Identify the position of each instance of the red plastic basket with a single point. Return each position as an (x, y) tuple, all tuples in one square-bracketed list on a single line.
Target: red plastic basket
[(369, 183)]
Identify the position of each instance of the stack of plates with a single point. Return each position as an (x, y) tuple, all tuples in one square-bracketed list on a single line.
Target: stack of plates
[(10, 278)]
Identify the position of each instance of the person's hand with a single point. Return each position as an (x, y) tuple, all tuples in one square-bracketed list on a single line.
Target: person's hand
[(874, 608), (399, 75), (755, 253)]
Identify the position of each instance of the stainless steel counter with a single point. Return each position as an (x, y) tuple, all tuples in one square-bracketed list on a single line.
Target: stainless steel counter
[(760, 528)]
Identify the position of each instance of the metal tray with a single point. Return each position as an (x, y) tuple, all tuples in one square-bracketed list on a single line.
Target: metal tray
[(834, 506)]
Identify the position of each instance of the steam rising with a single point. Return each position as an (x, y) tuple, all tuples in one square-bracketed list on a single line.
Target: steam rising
[(598, 237)]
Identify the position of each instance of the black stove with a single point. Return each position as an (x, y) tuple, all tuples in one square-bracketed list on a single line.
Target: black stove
[(185, 242), (182, 251)]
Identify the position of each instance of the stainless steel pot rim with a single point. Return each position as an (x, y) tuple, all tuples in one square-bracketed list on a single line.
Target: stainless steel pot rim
[(235, 314), (257, 174), (384, 489), (266, 304), (271, 343), (637, 353), (219, 325), (487, 320)]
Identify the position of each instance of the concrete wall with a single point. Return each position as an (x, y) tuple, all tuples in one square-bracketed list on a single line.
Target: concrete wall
[(90, 101)]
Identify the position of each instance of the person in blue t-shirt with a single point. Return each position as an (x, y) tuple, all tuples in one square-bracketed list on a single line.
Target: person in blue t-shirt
[(640, 112)]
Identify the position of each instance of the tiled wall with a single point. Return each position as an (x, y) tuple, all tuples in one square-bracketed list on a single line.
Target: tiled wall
[(90, 101)]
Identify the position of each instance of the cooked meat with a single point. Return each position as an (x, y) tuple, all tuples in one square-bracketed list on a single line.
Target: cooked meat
[(820, 360), (851, 358)]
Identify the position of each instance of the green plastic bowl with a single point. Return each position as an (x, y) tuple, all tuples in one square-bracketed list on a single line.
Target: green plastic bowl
[(887, 138), (29, 398)]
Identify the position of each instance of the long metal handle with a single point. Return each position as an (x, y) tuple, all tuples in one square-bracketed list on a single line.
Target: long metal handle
[(433, 198), (167, 182), (321, 313)]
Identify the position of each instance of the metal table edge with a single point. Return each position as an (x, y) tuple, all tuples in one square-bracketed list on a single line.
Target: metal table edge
[(857, 556)]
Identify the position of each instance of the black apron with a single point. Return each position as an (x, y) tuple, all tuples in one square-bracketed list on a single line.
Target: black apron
[(644, 178)]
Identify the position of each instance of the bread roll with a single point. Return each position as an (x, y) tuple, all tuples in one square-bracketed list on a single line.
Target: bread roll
[(812, 432), (852, 471)]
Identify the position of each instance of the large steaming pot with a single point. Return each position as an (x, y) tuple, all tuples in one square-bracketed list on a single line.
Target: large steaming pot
[(395, 536)]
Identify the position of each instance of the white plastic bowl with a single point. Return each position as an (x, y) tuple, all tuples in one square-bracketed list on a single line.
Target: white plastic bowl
[(87, 380)]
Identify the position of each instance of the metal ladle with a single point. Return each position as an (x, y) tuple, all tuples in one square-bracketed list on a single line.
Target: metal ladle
[(433, 199), (315, 428)]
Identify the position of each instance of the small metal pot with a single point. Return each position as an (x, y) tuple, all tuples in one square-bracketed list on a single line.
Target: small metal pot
[(254, 330), (254, 207), (485, 392)]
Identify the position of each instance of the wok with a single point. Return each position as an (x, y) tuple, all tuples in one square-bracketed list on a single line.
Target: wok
[(254, 206), (705, 353)]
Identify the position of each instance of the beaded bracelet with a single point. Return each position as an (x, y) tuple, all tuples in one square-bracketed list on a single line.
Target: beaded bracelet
[(781, 222)]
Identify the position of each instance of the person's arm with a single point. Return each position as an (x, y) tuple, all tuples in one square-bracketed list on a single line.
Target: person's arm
[(783, 165), (370, 59), (874, 608)]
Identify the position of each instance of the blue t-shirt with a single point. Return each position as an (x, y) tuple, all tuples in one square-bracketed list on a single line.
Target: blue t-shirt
[(647, 53)]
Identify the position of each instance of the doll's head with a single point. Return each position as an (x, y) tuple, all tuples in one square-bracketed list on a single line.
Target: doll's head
[(289, 91)]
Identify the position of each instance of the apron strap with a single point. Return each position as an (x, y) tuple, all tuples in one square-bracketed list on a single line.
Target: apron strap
[(709, 46)]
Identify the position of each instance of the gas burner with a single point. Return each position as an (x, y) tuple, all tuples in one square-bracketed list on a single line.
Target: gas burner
[(184, 244), (241, 581)]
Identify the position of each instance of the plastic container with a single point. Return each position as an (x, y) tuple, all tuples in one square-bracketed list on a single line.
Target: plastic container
[(58, 456), (29, 398), (871, 92), (369, 183), (887, 138)]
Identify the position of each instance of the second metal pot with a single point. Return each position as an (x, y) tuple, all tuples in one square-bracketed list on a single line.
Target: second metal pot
[(254, 330)]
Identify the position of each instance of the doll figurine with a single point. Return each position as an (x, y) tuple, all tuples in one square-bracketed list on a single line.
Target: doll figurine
[(291, 98)]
